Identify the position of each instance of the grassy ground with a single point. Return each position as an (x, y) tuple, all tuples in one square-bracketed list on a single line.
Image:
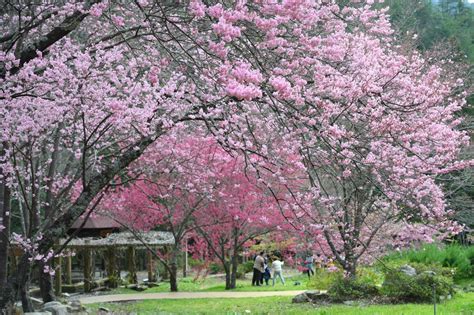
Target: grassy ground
[(213, 284), (463, 304)]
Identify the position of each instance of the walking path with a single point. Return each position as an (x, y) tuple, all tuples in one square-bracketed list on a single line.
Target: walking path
[(183, 295)]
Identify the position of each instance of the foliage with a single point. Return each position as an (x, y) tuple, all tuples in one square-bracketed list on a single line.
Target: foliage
[(244, 268), (346, 288), (454, 256), (323, 279), (434, 24), (419, 288), (215, 268)]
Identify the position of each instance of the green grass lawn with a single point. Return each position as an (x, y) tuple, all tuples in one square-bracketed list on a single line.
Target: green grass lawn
[(461, 304), (213, 284)]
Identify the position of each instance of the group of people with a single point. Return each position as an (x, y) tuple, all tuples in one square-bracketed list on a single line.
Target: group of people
[(262, 270), (311, 261)]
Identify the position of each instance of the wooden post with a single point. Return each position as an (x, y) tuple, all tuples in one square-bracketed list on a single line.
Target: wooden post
[(166, 274), (58, 276), (69, 269), (112, 267), (132, 274), (151, 268), (87, 270)]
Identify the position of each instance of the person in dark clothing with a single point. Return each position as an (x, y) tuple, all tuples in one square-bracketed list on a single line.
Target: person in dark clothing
[(266, 274)]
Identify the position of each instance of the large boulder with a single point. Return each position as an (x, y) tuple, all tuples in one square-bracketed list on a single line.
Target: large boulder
[(301, 298), (75, 306), (313, 296), (56, 308), (408, 270)]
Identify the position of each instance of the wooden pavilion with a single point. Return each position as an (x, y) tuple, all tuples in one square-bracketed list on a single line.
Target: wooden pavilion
[(112, 244), (103, 234)]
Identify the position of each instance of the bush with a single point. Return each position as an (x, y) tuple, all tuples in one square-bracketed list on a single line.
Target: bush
[(215, 268), (404, 288), (244, 268), (460, 258), (343, 289), (323, 278), (247, 266)]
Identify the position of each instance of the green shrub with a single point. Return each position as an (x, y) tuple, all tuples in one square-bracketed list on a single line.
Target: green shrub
[(247, 266), (194, 262), (343, 289), (370, 276), (323, 279), (404, 288), (244, 268), (215, 268), (457, 257)]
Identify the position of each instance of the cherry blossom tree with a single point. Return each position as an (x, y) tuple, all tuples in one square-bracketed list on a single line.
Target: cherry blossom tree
[(367, 124), (80, 101), (175, 181), (239, 211)]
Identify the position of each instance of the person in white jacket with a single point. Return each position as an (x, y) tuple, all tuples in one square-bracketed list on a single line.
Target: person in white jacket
[(278, 270)]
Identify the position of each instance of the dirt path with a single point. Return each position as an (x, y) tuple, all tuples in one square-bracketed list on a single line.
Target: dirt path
[(182, 295)]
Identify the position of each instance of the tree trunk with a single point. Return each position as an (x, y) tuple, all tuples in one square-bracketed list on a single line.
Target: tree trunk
[(17, 288), (350, 264), (235, 265), (45, 283), (174, 269), (5, 209), (227, 275)]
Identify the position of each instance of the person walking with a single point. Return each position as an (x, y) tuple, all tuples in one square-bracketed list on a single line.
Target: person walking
[(277, 267), (308, 263), (258, 270)]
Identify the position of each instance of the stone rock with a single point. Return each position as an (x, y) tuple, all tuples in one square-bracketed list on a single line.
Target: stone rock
[(350, 303), (408, 270), (321, 297), (38, 313), (104, 309), (76, 306), (17, 308), (137, 287), (37, 303), (301, 298), (313, 294), (56, 308)]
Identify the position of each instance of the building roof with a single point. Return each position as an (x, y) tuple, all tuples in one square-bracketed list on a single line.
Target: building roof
[(123, 239), (96, 222)]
